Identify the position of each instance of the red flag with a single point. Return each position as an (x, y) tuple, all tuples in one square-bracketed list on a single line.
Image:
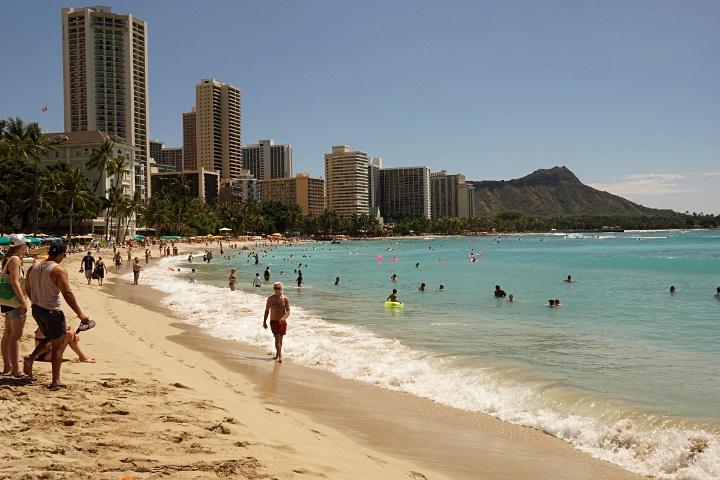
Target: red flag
[(44, 109)]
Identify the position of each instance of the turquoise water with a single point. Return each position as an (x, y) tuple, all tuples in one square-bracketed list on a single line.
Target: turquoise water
[(623, 369)]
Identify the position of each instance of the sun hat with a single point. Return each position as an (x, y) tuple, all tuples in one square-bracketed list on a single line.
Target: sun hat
[(57, 248), (17, 239)]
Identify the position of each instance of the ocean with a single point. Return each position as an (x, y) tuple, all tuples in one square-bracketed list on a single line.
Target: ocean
[(624, 369)]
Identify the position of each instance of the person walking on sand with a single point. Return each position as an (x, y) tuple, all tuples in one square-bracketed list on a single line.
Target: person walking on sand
[(13, 274), (117, 259), (87, 265), (278, 306), (100, 270), (136, 270), (232, 280), (46, 281)]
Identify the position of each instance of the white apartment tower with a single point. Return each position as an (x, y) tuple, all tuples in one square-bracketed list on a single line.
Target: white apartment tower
[(105, 79), (218, 126), (267, 161), (346, 181)]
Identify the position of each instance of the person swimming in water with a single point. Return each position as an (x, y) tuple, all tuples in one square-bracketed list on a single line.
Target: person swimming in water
[(393, 297)]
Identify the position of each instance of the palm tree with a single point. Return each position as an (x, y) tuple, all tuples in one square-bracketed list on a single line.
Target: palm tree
[(99, 159), (118, 167), (157, 212), (37, 193), (114, 198), (134, 209), (121, 210), (178, 194), (23, 141), (74, 190)]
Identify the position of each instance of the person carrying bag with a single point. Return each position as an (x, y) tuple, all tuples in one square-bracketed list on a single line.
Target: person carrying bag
[(13, 304)]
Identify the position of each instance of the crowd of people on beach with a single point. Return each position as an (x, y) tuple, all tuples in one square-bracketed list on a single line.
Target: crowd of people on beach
[(42, 285), (45, 282)]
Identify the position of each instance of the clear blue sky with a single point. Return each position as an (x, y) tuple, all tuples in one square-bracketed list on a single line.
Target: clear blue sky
[(626, 94)]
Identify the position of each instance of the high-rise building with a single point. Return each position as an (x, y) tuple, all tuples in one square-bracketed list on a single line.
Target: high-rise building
[(266, 161), (451, 196), (405, 192), (190, 140), (165, 159), (202, 183), (346, 181), (374, 167), (240, 189), (303, 190), (218, 127), (172, 158), (105, 79), (155, 148)]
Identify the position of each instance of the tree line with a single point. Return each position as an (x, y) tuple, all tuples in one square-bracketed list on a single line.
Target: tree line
[(34, 197)]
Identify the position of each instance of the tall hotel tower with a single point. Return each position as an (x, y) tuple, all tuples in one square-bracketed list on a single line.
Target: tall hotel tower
[(346, 181), (267, 161), (218, 128), (105, 79)]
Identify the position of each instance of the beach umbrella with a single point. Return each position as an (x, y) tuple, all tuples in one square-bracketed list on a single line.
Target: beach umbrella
[(225, 229), (139, 237), (6, 240)]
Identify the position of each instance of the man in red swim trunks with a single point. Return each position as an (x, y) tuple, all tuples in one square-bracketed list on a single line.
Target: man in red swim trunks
[(278, 306)]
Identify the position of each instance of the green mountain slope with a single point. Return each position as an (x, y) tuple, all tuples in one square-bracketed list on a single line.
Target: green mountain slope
[(555, 191)]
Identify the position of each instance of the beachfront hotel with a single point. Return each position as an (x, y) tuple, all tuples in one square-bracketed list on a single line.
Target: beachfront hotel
[(266, 161), (405, 192), (218, 129), (346, 181), (105, 79), (304, 191), (450, 195), (76, 148)]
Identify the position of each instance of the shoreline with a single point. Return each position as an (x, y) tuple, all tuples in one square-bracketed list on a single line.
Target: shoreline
[(289, 419)]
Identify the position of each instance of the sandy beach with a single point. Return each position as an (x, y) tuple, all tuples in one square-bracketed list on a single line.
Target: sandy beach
[(164, 400)]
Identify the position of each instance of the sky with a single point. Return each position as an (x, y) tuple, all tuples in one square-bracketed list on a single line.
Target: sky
[(625, 94)]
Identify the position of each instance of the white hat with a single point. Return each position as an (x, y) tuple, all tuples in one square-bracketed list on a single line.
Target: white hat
[(18, 239)]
